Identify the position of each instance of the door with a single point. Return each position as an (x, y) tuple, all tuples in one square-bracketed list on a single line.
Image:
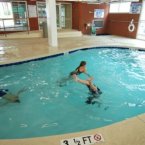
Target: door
[(68, 16), (64, 15), (20, 15), (58, 15), (41, 11)]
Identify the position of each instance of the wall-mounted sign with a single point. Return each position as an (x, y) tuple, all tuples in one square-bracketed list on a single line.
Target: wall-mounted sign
[(32, 11), (135, 8), (99, 13)]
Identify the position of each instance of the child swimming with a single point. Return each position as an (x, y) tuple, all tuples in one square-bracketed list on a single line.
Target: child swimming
[(9, 97)]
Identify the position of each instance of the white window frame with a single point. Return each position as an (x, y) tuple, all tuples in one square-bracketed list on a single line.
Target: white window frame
[(119, 5)]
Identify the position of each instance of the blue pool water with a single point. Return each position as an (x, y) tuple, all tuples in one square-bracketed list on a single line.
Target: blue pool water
[(47, 108)]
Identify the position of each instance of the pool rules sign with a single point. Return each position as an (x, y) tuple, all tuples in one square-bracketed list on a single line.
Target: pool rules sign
[(83, 140)]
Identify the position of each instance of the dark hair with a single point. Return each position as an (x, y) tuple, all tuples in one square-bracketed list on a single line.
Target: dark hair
[(82, 63), (17, 101)]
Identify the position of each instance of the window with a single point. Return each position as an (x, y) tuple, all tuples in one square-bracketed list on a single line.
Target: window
[(114, 7), (6, 10), (13, 16), (6, 13), (141, 30), (122, 7)]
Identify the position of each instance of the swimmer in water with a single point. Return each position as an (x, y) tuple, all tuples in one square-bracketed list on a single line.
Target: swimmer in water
[(95, 93), (9, 97), (79, 70), (74, 75)]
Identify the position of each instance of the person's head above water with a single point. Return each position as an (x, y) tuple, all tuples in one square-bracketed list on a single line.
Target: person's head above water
[(82, 63)]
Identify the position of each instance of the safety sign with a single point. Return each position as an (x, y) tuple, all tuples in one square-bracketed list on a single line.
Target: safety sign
[(83, 140)]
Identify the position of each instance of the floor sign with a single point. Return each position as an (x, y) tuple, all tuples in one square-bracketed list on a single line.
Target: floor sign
[(83, 140)]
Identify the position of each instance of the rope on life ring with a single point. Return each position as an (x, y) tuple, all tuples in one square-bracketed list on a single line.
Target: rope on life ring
[(131, 26)]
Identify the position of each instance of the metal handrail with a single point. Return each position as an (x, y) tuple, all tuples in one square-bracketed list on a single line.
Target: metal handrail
[(13, 18), (4, 27), (121, 21), (125, 21)]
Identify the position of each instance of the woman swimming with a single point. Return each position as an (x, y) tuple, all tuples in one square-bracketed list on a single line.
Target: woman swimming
[(82, 69), (74, 74)]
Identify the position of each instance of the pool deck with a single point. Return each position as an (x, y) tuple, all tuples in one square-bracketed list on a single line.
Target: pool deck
[(127, 132)]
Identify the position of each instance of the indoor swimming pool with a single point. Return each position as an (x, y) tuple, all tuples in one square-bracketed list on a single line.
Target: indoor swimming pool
[(51, 104)]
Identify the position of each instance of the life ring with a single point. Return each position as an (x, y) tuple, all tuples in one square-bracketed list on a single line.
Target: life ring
[(131, 27)]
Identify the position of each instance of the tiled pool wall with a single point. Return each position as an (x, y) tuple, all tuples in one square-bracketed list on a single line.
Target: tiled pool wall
[(69, 52)]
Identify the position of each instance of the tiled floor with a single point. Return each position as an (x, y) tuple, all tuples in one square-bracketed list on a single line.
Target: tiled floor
[(22, 49), (128, 132)]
